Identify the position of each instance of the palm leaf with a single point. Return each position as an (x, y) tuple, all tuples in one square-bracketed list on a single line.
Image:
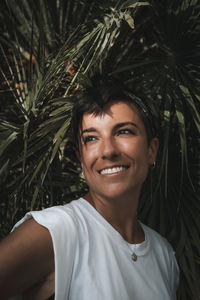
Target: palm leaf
[(153, 48)]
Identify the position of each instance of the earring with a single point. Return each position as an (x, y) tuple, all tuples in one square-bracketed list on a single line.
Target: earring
[(153, 165), (82, 175)]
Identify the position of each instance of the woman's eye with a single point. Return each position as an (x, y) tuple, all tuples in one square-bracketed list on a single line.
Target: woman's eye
[(89, 138), (125, 131)]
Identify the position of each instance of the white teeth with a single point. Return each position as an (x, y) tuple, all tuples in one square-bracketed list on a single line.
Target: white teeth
[(112, 170)]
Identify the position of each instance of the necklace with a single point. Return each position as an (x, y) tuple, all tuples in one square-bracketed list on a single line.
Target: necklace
[(132, 247), (134, 255)]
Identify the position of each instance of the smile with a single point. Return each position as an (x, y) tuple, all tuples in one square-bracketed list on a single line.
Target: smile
[(113, 170)]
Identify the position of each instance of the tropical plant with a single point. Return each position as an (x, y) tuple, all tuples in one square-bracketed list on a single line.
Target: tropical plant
[(153, 47)]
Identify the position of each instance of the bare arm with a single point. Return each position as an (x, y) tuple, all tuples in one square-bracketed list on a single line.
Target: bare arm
[(26, 258)]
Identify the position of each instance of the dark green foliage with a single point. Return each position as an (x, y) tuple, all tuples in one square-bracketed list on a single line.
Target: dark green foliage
[(49, 50)]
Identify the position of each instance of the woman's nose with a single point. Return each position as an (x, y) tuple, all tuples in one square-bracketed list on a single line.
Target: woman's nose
[(109, 149)]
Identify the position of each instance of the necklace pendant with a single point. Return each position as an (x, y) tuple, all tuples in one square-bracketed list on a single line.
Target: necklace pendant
[(134, 257)]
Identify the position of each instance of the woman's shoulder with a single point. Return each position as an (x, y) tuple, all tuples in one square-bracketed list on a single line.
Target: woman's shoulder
[(156, 239), (55, 218)]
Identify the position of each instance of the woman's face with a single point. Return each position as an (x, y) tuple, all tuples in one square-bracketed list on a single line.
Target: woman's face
[(114, 153)]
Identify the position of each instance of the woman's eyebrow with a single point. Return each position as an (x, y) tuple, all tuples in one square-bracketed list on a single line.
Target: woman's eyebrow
[(119, 125), (91, 129)]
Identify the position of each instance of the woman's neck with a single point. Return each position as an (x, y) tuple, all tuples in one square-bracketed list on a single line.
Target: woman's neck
[(122, 215)]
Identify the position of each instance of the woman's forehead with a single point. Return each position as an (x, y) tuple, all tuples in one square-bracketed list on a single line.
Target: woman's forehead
[(114, 111)]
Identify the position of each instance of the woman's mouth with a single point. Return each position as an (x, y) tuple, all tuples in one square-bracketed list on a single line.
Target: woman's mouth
[(113, 170)]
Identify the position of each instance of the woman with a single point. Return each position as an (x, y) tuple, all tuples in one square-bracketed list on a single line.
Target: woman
[(95, 247)]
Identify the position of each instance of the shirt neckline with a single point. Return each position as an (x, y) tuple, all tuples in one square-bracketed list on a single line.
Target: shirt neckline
[(140, 249)]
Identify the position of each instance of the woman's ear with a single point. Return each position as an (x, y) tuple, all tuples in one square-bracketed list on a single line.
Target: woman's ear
[(153, 149)]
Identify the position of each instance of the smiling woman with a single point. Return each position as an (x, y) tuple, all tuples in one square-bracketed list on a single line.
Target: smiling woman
[(114, 153), (95, 247)]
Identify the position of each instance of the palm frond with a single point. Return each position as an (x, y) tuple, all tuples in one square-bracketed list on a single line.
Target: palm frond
[(154, 48)]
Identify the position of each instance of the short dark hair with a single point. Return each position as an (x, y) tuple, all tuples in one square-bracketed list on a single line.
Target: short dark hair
[(103, 90)]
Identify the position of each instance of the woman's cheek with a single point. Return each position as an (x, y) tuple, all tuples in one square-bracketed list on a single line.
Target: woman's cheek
[(90, 154)]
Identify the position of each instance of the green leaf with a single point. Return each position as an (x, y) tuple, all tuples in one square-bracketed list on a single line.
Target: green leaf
[(129, 20), (134, 4), (4, 144)]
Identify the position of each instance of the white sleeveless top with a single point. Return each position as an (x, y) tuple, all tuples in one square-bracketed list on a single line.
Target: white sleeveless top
[(93, 261)]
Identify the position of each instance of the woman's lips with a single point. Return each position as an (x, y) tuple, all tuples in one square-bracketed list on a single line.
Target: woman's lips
[(113, 170)]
